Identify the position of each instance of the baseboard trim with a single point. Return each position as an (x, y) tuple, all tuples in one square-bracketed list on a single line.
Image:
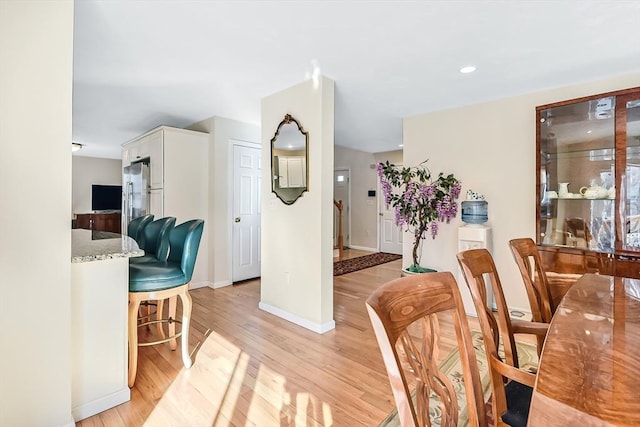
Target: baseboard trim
[(102, 404), (221, 284), (70, 423), (312, 326), (362, 248), (198, 285)]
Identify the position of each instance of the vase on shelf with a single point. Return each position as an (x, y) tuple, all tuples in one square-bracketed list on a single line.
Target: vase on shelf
[(563, 189)]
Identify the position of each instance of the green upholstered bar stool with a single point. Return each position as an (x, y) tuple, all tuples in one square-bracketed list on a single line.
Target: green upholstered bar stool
[(161, 280), (136, 227), (155, 240)]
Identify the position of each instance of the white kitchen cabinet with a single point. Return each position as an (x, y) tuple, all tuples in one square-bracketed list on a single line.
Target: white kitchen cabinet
[(156, 203), (178, 165), (154, 149), (126, 157), (292, 172)]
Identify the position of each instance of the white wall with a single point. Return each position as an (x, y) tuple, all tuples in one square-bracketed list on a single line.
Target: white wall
[(297, 240), (221, 132), (36, 57), (394, 157), (491, 147), (87, 171), (364, 209)]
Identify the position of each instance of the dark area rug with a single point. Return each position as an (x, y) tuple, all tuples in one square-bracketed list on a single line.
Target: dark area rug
[(365, 261)]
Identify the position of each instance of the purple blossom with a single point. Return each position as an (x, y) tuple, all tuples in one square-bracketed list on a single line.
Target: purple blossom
[(409, 193), (445, 209), (387, 190), (455, 190), (427, 191), (434, 229), (453, 210), (400, 219), (380, 170)]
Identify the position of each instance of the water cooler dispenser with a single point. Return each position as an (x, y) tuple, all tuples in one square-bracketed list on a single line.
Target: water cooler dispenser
[(475, 234)]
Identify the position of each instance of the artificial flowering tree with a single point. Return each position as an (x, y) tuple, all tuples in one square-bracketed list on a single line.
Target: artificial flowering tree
[(420, 202)]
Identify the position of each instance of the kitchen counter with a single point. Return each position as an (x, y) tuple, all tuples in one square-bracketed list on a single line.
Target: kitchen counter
[(91, 245), (99, 310)]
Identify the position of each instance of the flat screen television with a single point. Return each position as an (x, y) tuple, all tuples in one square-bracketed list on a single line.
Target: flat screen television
[(106, 197)]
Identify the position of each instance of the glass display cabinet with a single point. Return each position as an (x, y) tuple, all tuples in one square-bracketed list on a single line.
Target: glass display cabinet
[(588, 184)]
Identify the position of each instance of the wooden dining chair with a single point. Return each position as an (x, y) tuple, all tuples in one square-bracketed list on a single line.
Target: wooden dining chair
[(525, 252), (511, 399), (404, 314)]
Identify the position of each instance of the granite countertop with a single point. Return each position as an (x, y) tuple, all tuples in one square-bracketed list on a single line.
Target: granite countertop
[(89, 245)]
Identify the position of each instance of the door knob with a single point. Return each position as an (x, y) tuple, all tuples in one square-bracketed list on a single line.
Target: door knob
[(237, 219), (380, 214)]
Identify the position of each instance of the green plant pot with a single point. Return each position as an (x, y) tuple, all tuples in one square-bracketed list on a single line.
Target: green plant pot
[(409, 271)]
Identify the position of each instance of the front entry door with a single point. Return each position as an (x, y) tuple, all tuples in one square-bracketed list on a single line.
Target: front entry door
[(390, 233), (246, 213)]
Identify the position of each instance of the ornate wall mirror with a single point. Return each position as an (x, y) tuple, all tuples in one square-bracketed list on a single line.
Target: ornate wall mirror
[(289, 159)]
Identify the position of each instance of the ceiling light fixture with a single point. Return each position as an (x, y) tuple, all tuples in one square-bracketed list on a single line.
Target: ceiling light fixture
[(468, 69), (400, 145), (75, 146)]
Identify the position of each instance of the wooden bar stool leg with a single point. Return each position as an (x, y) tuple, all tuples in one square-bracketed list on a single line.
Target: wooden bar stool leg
[(148, 315), (186, 320), (159, 311), (173, 303), (134, 306)]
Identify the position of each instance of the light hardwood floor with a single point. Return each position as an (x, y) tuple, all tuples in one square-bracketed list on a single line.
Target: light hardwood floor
[(254, 369)]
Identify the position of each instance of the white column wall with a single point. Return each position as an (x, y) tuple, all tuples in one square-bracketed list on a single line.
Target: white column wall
[(491, 147), (36, 70), (297, 254)]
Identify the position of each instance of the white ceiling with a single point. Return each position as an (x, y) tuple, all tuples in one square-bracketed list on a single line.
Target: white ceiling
[(140, 64)]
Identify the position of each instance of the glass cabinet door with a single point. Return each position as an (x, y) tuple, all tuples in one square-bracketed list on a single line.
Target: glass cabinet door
[(577, 174), (629, 142)]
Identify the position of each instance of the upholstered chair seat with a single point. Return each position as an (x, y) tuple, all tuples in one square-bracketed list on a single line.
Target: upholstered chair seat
[(155, 276)]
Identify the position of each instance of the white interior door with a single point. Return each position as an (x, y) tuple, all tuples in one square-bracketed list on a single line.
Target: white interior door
[(390, 233), (246, 213), (341, 192)]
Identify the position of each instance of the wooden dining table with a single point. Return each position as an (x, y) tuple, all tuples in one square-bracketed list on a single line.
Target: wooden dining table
[(589, 371)]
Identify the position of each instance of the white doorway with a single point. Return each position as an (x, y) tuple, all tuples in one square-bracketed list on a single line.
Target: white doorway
[(390, 234), (246, 211), (341, 191)]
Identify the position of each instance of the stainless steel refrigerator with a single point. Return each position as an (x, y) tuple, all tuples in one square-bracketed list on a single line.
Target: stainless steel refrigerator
[(135, 193)]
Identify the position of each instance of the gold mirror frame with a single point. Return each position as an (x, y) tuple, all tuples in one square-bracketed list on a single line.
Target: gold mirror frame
[(289, 166)]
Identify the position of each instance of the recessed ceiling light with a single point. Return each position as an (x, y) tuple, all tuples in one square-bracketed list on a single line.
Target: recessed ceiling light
[(589, 131), (400, 145), (468, 69)]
